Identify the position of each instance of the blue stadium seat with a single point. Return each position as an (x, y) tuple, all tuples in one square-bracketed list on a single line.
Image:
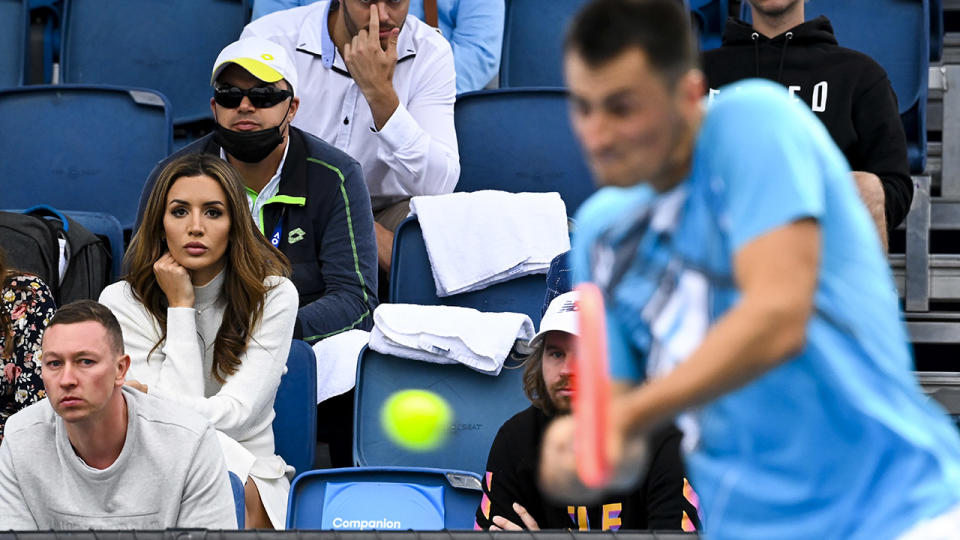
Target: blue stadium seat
[(533, 42), (169, 46), (80, 147), (295, 424), (520, 140), (534, 30), (711, 16), (393, 498), (904, 51), (411, 281), (13, 41), (238, 498), (481, 404)]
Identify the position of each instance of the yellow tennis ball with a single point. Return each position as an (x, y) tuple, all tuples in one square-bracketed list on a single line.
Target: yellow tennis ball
[(417, 420)]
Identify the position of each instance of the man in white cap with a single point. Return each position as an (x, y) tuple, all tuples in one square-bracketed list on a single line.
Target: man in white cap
[(511, 498), (306, 196)]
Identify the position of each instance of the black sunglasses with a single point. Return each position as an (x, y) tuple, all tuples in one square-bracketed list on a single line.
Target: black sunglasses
[(261, 97)]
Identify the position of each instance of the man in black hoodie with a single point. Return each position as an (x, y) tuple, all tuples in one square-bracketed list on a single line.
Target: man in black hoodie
[(847, 90)]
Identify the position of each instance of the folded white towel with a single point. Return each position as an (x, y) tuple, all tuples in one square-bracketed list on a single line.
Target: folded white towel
[(337, 362), (448, 334), (477, 239)]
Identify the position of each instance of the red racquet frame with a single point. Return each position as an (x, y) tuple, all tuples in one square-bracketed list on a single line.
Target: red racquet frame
[(591, 383)]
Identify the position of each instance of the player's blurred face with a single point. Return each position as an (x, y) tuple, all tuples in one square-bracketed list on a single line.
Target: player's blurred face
[(628, 119), (80, 370), (559, 356), (391, 13)]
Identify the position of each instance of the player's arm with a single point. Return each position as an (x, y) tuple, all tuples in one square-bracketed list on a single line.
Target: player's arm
[(777, 275)]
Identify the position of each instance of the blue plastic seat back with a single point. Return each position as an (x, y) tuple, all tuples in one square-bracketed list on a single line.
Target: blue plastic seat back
[(383, 498), (481, 404), (13, 41), (903, 51), (520, 140), (533, 42), (169, 46), (295, 424), (534, 31), (239, 501), (80, 147), (711, 17), (411, 281)]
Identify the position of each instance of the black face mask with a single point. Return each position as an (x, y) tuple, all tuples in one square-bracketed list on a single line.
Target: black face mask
[(249, 146)]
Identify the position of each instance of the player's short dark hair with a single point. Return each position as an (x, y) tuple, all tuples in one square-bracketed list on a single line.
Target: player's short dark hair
[(605, 29), (88, 310)]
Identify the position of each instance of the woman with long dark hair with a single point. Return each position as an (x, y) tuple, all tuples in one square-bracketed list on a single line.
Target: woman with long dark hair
[(26, 306), (207, 314)]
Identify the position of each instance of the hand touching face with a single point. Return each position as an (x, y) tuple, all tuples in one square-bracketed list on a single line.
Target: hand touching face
[(371, 54)]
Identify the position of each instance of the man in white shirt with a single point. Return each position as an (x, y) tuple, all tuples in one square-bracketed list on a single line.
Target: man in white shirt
[(98, 455), (380, 85)]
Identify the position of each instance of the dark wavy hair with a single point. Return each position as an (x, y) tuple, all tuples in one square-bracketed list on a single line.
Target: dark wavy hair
[(250, 259)]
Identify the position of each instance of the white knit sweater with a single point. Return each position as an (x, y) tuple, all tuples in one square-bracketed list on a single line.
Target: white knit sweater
[(180, 370)]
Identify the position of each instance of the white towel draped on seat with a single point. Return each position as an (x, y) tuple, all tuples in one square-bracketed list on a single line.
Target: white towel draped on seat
[(337, 362), (477, 239), (448, 334)]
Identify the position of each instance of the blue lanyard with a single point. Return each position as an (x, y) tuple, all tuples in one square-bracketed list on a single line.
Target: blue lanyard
[(278, 230)]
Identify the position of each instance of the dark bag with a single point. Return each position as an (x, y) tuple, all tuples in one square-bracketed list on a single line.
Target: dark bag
[(87, 256), (31, 247)]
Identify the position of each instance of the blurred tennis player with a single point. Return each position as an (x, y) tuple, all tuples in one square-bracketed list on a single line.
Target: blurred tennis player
[(744, 282)]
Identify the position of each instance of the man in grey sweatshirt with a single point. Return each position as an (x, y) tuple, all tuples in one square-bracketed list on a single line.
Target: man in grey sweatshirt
[(99, 455)]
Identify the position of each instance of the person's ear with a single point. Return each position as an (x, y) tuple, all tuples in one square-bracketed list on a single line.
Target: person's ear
[(123, 365), (690, 91), (294, 106)]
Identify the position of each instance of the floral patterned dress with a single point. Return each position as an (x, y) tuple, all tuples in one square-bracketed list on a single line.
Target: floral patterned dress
[(30, 305)]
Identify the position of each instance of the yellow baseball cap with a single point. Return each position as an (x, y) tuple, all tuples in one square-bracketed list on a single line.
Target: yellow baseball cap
[(262, 58)]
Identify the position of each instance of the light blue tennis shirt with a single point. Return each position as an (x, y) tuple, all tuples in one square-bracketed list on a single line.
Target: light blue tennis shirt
[(838, 441)]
